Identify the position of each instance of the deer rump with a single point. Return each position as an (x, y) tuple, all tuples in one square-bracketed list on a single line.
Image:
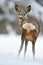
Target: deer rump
[(29, 31), (28, 27)]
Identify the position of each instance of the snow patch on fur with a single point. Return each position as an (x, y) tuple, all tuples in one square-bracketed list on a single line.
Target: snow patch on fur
[(28, 26)]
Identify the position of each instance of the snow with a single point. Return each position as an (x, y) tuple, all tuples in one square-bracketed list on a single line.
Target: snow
[(9, 46)]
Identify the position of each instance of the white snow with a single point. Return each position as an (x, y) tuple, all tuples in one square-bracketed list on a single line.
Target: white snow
[(9, 46), (28, 25)]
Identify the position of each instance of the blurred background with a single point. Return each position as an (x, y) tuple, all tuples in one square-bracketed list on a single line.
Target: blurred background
[(10, 33), (8, 16)]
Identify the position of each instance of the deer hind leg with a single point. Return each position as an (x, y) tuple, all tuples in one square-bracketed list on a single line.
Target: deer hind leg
[(26, 42), (22, 41), (33, 48)]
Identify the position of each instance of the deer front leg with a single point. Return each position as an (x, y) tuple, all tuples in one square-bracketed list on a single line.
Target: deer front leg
[(33, 48), (22, 41), (26, 42)]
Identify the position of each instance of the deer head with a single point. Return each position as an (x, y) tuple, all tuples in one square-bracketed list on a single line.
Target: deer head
[(22, 13)]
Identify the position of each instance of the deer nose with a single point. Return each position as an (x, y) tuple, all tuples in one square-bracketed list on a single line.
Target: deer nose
[(20, 17)]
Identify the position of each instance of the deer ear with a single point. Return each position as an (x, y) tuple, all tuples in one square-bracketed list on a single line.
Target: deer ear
[(17, 8), (28, 9)]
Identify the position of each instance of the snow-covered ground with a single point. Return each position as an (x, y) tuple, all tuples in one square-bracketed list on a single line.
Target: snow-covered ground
[(9, 46)]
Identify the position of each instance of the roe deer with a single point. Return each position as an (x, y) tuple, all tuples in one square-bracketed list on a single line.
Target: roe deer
[(30, 28)]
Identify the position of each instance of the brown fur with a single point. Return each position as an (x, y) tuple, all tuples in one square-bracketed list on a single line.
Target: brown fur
[(29, 36), (32, 34)]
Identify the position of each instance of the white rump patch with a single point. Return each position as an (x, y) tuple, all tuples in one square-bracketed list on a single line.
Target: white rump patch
[(28, 26)]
